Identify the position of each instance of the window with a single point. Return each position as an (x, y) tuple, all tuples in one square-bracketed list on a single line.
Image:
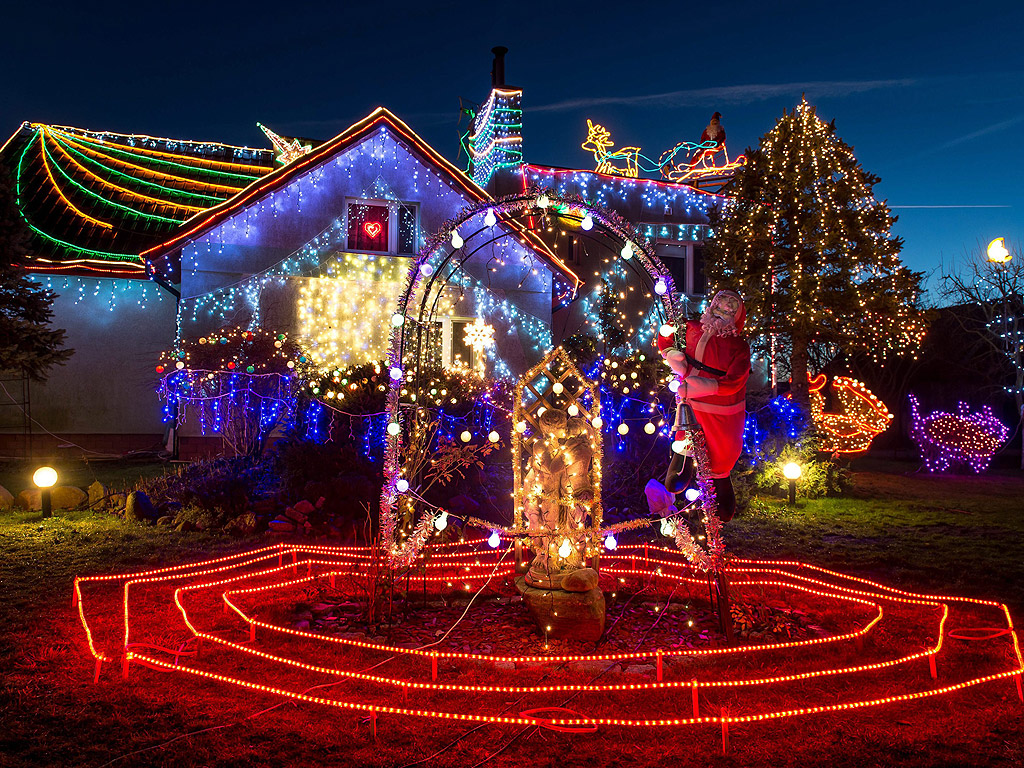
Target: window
[(674, 259), (700, 283), (383, 227)]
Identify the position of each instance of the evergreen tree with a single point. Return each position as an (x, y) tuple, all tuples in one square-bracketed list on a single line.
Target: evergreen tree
[(27, 343), (807, 244)]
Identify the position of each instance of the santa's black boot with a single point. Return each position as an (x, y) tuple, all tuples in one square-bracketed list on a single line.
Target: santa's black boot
[(680, 473), (725, 498)]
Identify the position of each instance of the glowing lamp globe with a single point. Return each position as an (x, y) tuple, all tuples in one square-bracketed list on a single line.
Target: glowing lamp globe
[(395, 374), (626, 252), (557, 388), (661, 287), (394, 428), (493, 436), (692, 494), (565, 549), (397, 320), (587, 223), (543, 201), (520, 427), (666, 330), (649, 428), (466, 436), (792, 471), (610, 542), (402, 485), (426, 270), (623, 428), (45, 477), (457, 241), (179, 365), (673, 386), (997, 252), (574, 410), (678, 446), (598, 422), (441, 521), (490, 219), (494, 540)]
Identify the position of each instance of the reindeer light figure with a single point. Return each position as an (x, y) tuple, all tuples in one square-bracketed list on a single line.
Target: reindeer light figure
[(624, 161)]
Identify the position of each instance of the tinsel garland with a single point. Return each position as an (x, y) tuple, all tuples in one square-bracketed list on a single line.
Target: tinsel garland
[(709, 558)]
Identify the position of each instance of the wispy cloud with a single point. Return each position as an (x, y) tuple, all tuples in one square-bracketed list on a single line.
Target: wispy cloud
[(987, 130), (728, 94)]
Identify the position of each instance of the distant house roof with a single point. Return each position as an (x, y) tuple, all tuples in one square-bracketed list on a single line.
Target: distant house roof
[(201, 223), (95, 200)]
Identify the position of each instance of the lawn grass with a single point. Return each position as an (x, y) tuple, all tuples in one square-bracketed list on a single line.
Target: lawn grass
[(958, 535)]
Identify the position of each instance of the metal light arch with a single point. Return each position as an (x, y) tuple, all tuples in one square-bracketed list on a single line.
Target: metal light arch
[(438, 262)]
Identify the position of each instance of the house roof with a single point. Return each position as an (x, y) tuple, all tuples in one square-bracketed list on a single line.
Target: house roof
[(94, 200), (267, 184)]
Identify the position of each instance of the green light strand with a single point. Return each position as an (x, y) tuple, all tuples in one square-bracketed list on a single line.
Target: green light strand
[(113, 150), (137, 180), (106, 255), (102, 199)]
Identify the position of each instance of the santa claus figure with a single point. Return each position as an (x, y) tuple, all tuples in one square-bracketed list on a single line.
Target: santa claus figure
[(712, 365)]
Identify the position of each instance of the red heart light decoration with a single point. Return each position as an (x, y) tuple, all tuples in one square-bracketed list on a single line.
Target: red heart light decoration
[(372, 228)]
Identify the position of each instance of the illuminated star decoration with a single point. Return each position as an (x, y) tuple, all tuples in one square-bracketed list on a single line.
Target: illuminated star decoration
[(286, 150), (479, 336)]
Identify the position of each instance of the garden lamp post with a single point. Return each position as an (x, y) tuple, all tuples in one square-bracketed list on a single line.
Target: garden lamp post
[(792, 472), (45, 478)]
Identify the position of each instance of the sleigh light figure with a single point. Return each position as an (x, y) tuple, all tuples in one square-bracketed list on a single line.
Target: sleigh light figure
[(859, 418), (965, 436)]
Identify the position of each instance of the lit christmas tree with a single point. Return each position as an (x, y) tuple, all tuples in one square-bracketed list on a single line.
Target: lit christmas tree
[(809, 247)]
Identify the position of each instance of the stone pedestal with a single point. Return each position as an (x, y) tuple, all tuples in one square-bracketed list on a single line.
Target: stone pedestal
[(570, 615)]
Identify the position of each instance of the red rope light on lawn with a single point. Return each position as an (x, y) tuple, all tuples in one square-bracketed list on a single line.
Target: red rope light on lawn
[(234, 580)]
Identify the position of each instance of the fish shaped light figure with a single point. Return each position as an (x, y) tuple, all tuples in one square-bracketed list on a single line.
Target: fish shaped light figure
[(968, 437)]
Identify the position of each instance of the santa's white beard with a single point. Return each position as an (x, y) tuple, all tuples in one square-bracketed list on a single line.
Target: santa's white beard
[(717, 326)]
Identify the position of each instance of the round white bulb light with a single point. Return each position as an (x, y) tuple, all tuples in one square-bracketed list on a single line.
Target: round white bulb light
[(45, 477), (441, 521), (667, 330), (692, 494), (598, 422), (493, 436), (520, 427), (673, 386), (494, 539), (402, 485), (661, 287), (426, 270), (627, 251), (397, 320), (565, 548), (466, 436), (610, 542), (678, 446), (490, 219), (543, 201), (457, 241), (588, 222), (395, 373), (623, 428), (394, 428), (649, 428), (557, 388), (574, 410), (792, 471)]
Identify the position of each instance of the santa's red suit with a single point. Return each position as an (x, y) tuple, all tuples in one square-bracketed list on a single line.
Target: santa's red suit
[(712, 371)]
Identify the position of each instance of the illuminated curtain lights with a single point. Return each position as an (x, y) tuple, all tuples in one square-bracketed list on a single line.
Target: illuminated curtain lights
[(947, 439)]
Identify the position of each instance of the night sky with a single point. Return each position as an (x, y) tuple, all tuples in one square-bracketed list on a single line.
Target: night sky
[(931, 95)]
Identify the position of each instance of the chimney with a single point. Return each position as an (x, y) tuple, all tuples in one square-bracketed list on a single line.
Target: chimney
[(498, 67)]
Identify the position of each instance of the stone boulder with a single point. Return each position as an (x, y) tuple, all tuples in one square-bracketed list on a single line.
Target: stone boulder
[(578, 616), (98, 495), (581, 580), (6, 498), (138, 507), (61, 497)]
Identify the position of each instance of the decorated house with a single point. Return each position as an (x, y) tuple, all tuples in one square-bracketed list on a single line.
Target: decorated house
[(312, 242)]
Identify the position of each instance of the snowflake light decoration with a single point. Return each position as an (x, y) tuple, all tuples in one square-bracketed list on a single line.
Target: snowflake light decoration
[(480, 336)]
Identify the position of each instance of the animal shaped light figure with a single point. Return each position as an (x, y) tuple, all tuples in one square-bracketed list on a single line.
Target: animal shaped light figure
[(965, 436), (624, 161), (860, 418)]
